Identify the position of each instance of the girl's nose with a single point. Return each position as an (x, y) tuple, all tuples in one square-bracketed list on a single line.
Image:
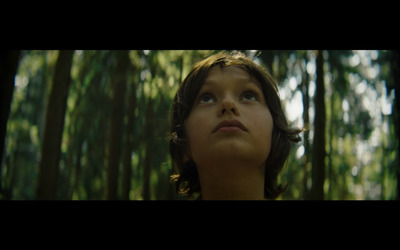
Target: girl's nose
[(228, 106)]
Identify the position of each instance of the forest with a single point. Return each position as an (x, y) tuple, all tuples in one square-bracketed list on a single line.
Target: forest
[(93, 124)]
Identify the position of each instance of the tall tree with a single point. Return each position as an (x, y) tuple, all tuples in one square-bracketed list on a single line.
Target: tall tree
[(119, 82), (149, 148), (8, 67), (53, 128), (306, 104), (318, 156), (395, 67), (127, 160)]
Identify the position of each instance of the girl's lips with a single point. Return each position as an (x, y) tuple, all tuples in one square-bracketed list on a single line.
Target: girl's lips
[(230, 126)]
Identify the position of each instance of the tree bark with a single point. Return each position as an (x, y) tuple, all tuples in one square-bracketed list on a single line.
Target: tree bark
[(127, 161), (395, 67), (118, 80), (318, 156), (306, 158), (53, 128), (149, 142), (9, 61)]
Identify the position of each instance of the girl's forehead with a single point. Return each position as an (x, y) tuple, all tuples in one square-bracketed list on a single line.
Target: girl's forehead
[(234, 71), (239, 74)]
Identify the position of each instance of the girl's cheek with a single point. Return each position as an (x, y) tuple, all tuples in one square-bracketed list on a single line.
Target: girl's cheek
[(197, 126)]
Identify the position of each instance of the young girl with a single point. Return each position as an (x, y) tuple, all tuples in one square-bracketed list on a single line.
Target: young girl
[(229, 137)]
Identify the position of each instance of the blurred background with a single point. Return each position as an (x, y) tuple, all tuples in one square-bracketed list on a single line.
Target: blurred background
[(93, 125)]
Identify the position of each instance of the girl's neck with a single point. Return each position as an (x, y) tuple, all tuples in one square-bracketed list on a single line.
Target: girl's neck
[(234, 183)]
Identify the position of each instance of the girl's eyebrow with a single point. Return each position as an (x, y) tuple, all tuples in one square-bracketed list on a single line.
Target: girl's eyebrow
[(251, 81), (211, 83), (244, 80)]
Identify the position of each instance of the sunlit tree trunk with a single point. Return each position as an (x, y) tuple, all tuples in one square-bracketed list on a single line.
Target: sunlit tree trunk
[(118, 81), (318, 156), (332, 129), (53, 128)]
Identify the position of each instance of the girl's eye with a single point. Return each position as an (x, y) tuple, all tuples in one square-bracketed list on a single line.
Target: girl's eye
[(206, 98), (249, 96)]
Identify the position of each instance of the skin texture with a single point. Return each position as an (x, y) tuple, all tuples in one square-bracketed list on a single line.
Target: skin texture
[(231, 160)]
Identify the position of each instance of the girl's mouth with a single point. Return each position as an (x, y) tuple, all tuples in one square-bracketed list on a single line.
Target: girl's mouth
[(232, 125)]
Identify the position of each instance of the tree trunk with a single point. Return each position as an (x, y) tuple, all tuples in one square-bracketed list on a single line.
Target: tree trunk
[(306, 158), (127, 161), (395, 67), (149, 142), (318, 156), (118, 80), (9, 61), (53, 128)]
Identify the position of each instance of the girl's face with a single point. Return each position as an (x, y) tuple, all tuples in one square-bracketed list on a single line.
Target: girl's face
[(229, 122)]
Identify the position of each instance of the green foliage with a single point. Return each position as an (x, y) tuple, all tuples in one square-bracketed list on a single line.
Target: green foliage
[(361, 144)]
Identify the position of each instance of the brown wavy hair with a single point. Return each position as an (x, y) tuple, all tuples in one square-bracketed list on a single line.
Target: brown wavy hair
[(185, 174)]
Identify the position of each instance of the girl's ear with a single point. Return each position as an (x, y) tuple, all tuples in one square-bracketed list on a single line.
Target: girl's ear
[(185, 159), (186, 155)]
